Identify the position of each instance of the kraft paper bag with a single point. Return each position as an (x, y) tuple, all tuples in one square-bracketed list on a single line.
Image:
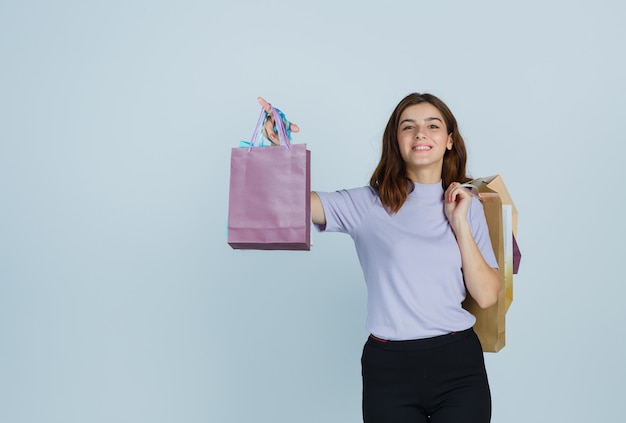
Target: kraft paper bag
[(501, 216), (495, 184), (491, 322), (269, 199)]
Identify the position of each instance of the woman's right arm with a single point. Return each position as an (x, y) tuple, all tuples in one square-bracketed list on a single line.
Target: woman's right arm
[(317, 210)]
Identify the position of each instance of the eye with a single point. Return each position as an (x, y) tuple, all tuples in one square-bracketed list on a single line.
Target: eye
[(433, 126), (407, 127)]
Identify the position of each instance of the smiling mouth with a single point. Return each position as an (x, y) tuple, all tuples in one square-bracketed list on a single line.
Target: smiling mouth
[(421, 148)]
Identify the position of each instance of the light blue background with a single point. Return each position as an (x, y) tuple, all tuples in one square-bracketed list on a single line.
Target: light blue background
[(120, 300)]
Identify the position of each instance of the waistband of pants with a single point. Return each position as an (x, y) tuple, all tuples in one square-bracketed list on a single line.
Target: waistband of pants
[(419, 344)]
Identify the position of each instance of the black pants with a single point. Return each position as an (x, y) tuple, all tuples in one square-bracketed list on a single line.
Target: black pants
[(441, 379)]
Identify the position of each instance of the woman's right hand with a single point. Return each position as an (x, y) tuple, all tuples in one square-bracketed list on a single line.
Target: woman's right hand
[(268, 127)]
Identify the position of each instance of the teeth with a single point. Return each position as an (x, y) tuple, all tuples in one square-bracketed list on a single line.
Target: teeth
[(421, 147)]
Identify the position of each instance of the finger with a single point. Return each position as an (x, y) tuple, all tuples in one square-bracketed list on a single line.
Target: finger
[(268, 130), (266, 106), (268, 127), (294, 127), (455, 190), (448, 195), (450, 191)]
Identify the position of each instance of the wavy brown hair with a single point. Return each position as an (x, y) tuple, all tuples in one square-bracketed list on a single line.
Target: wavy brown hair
[(390, 180)]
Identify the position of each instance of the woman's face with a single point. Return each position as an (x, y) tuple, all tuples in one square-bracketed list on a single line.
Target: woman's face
[(423, 139)]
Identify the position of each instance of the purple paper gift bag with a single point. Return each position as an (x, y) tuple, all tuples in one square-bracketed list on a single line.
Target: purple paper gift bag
[(269, 198), (517, 256)]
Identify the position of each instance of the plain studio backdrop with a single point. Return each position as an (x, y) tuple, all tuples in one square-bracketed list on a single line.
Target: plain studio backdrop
[(120, 300)]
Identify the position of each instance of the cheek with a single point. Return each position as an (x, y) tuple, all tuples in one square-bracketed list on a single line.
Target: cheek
[(404, 138), (403, 145)]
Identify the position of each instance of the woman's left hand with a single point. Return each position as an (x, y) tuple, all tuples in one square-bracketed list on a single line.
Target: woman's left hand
[(457, 200)]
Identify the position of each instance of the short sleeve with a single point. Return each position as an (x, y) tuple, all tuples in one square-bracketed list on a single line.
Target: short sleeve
[(345, 209)]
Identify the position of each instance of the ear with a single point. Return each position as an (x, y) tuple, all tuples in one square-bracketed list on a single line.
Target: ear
[(450, 142)]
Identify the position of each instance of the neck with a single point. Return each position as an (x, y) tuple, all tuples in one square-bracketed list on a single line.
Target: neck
[(424, 176)]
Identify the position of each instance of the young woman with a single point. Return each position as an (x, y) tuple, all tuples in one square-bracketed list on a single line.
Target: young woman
[(422, 241)]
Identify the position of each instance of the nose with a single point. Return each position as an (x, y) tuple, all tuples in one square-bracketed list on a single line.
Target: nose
[(419, 134)]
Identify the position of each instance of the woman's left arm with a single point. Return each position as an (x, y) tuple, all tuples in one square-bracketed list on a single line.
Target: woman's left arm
[(482, 281)]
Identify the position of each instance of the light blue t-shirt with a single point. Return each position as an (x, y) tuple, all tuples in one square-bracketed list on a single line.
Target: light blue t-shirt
[(410, 260)]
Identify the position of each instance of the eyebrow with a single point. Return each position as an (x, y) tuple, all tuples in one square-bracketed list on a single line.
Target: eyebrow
[(428, 119)]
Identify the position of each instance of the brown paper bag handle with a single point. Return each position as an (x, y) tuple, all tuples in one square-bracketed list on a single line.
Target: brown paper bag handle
[(473, 189)]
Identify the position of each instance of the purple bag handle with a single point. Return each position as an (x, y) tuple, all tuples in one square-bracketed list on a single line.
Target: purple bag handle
[(282, 133)]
